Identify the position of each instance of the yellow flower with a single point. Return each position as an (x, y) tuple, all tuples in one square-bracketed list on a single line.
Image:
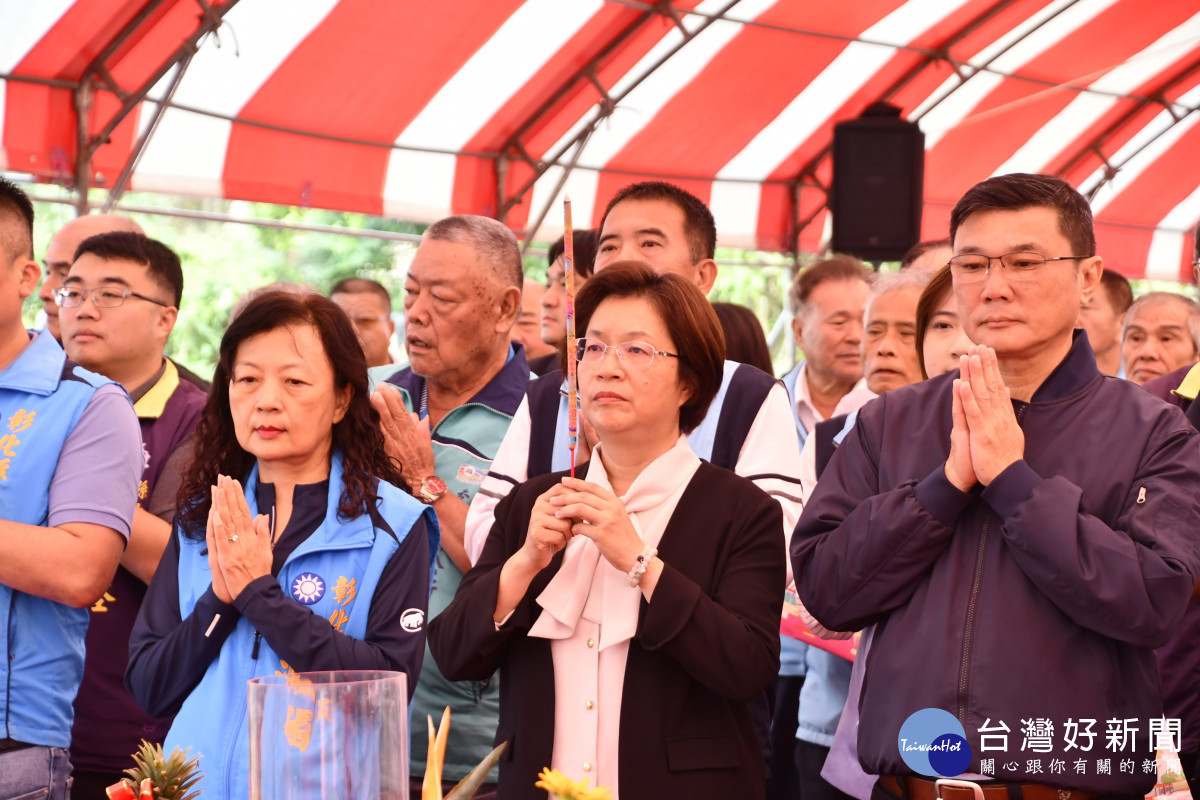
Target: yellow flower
[(554, 782), (564, 788)]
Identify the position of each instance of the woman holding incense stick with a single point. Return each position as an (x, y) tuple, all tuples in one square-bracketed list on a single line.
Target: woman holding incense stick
[(634, 611)]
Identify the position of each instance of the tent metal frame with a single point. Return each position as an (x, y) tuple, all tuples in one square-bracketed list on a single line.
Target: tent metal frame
[(514, 147), (98, 77), (807, 174), (1098, 145)]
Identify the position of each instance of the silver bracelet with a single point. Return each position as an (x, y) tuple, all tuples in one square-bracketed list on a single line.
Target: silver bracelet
[(638, 570)]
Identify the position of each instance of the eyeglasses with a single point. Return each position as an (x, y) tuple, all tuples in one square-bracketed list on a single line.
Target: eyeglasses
[(103, 297), (973, 267), (635, 354)]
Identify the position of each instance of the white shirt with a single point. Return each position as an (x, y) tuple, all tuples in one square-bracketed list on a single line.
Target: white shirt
[(807, 413)]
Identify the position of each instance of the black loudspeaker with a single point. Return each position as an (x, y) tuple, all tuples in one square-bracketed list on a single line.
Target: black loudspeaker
[(878, 185)]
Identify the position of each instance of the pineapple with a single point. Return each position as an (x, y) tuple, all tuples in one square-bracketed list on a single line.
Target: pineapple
[(157, 776)]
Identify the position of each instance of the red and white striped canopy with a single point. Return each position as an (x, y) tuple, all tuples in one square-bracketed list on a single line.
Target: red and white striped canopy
[(422, 108)]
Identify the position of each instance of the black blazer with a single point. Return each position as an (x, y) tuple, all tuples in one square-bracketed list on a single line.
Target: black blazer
[(707, 644)]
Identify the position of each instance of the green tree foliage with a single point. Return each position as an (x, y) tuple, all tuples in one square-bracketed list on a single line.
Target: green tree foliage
[(223, 260), (760, 284)]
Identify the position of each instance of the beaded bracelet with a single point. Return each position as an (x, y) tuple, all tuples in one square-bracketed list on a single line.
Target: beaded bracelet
[(638, 570)]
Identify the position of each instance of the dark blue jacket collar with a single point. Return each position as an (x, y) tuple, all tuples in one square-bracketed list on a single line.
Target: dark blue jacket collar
[(1073, 373), (502, 393)]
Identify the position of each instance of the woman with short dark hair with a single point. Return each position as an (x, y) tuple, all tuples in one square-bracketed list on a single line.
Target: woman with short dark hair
[(634, 611), (296, 548)]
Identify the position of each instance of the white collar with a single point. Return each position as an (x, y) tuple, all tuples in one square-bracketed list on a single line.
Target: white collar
[(650, 502)]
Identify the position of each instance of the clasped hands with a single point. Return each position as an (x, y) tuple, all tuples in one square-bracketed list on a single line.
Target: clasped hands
[(239, 546), (576, 507), (986, 438)]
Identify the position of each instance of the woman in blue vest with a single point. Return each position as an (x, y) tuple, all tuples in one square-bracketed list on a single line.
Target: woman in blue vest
[(295, 549)]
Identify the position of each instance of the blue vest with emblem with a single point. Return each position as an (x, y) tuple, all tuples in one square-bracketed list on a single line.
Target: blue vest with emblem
[(42, 396), (212, 721)]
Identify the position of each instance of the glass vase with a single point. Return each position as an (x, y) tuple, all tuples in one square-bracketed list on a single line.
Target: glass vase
[(329, 736)]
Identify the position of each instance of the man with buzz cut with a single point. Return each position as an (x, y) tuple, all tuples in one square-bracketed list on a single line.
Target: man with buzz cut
[(1026, 516), (117, 307), (444, 417), (70, 460)]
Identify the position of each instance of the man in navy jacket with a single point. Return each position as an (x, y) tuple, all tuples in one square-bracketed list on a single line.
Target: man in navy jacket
[(1022, 534)]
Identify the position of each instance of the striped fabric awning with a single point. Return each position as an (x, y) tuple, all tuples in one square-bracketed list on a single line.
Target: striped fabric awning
[(419, 109)]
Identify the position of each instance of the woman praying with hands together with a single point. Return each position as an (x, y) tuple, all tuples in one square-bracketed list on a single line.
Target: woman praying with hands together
[(296, 547)]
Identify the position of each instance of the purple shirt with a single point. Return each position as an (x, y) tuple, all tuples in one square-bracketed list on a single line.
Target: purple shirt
[(109, 724), (1162, 386), (91, 483), (1179, 659)]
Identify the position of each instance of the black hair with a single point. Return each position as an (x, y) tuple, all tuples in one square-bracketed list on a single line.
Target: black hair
[(1022, 190), (161, 262), (18, 242), (699, 225)]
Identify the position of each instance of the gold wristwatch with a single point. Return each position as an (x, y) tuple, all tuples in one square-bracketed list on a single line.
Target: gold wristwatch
[(431, 489)]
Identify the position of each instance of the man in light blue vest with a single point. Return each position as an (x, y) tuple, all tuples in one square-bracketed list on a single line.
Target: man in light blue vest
[(444, 418), (70, 459)]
